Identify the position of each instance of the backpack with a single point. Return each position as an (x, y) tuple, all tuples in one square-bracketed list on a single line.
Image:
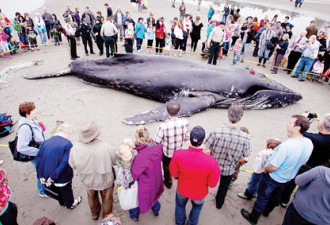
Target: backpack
[(5, 124)]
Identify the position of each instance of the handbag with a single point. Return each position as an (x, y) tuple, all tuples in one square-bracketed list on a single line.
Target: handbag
[(128, 198), (52, 191), (17, 156)]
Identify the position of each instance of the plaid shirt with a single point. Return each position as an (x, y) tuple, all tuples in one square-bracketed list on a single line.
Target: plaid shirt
[(172, 133), (228, 144)]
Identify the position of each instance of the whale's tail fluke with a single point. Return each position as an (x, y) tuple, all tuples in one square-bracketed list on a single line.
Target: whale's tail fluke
[(64, 72)]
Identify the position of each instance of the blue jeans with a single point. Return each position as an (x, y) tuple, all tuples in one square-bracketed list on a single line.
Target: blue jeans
[(41, 187), (264, 52), (236, 56), (226, 47), (224, 18), (24, 39), (268, 195), (134, 213), (222, 191), (245, 46), (43, 37), (182, 15), (305, 63), (253, 185), (180, 210), (139, 43)]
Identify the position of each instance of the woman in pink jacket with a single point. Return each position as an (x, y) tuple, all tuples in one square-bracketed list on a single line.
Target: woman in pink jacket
[(146, 169)]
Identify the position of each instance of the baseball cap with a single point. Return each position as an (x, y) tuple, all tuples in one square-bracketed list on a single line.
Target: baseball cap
[(197, 134)]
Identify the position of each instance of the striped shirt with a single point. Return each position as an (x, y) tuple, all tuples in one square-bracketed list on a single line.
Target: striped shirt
[(237, 48), (228, 144), (172, 133)]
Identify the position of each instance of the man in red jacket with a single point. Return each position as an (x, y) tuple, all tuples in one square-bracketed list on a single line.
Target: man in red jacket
[(196, 171)]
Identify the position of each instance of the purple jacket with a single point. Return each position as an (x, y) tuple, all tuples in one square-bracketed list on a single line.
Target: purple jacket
[(146, 168), (76, 15)]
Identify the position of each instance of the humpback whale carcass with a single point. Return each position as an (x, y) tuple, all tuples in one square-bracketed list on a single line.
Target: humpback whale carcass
[(195, 86)]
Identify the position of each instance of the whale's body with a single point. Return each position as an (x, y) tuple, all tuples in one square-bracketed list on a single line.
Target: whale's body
[(195, 86)]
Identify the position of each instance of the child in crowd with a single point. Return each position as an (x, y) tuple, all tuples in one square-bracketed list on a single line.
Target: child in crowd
[(151, 37), (241, 162), (125, 160), (32, 35), (259, 167), (318, 68), (168, 44), (56, 36), (236, 50), (4, 49)]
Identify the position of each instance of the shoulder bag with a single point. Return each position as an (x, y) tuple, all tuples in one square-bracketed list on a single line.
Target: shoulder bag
[(17, 156)]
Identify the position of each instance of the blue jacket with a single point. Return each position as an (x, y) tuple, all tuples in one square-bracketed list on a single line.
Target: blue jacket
[(210, 13), (140, 29), (52, 160)]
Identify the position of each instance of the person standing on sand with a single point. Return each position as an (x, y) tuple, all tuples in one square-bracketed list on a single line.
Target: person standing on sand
[(71, 33), (172, 134), (93, 159), (195, 171), (53, 167), (228, 145), (280, 168)]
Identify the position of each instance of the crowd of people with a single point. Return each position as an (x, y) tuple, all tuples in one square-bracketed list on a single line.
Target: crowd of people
[(272, 38), (150, 164)]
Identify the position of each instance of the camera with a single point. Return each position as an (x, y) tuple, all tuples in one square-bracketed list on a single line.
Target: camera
[(311, 115)]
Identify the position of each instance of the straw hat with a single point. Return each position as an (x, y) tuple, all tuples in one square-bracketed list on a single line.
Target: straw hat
[(89, 132)]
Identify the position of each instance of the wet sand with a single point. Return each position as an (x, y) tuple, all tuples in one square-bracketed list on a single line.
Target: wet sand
[(73, 101)]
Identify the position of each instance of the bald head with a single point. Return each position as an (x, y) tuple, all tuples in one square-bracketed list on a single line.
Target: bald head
[(173, 108)]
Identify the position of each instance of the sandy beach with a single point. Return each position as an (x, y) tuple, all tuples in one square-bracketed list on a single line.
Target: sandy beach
[(71, 100)]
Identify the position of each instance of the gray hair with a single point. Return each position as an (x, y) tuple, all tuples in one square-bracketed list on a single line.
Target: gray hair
[(235, 113), (325, 121), (64, 128)]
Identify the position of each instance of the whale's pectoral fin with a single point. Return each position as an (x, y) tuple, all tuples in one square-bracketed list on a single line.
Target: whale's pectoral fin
[(64, 72), (189, 106)]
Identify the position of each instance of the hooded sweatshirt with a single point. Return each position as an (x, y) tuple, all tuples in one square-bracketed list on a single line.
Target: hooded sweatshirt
[(312, 201)]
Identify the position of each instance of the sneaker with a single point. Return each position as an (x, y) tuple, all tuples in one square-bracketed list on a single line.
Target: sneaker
[(242, 195), (1, 162), (76, 202), (242, 60), (263, 65), (284, 205), (43, 196), (258, 64), (136, 220)]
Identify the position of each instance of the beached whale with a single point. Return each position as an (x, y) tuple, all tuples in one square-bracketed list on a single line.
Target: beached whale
[(195, 86)]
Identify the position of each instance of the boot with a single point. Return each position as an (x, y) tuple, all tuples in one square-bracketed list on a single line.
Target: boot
[(251, 217)]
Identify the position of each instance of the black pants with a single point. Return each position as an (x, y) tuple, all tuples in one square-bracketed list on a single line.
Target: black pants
[(222, 190), (88, 40), (167, 175), (214, 53), (291, 185), (129, 45), (185, 40), (194, 42), (48, 30), (159, 45), (9, 217), (65, 195), (73, 46), (292, 60), (179, 44), (292, 217), (99, 42), (234, 41)]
